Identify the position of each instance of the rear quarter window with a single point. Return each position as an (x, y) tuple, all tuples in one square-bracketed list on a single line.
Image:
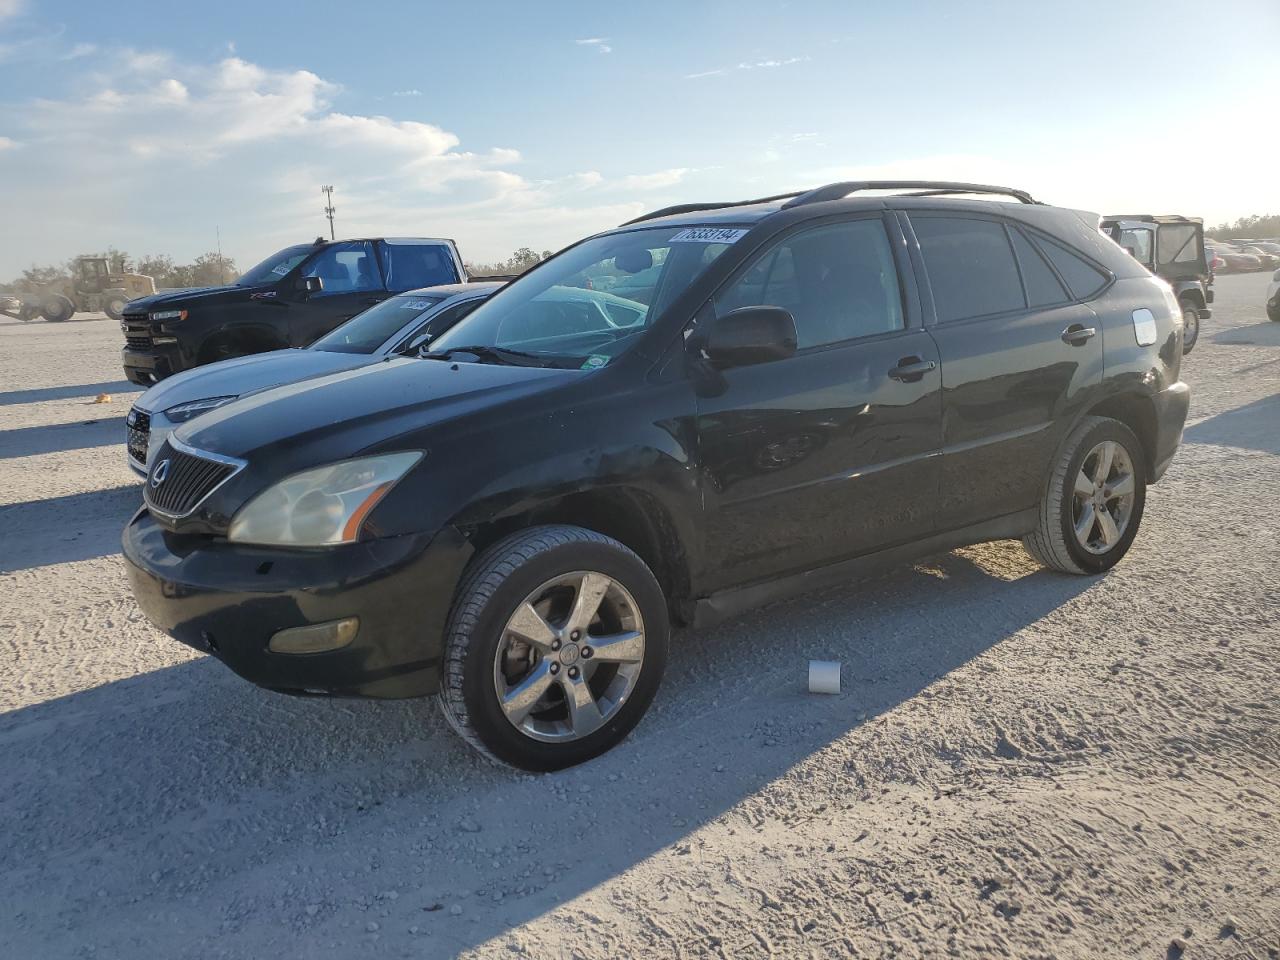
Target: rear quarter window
[(1082, 278)]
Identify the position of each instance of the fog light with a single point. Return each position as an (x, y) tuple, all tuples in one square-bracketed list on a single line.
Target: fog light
[(316, 638)]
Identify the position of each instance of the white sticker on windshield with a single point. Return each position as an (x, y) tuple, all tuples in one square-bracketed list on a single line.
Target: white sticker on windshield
[(709, 235), (280, 269), (416, 305)]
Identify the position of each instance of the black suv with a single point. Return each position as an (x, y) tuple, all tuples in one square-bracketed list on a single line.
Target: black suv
[(810, 385), (290, 299)]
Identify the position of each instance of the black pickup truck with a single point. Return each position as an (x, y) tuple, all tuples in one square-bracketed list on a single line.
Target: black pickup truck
[(290, 299)]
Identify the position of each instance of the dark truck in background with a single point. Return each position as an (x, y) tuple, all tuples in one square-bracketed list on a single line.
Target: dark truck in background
[(290, 299), (1171, 247)]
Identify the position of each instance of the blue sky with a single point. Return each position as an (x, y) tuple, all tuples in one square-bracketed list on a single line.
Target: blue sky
[(151, 125)]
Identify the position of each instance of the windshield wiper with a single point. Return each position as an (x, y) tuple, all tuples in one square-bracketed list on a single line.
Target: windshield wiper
[(482, 352)]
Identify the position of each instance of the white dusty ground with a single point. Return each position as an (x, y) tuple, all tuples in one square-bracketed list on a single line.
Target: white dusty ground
[(1021, 764)]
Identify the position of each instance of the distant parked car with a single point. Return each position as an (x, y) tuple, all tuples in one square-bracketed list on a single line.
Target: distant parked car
[(1235, 261), (399, 326), (1267, 259)]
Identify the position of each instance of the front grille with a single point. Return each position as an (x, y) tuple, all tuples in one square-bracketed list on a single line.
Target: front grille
[(179, 482), (139, 424), (137, 341)]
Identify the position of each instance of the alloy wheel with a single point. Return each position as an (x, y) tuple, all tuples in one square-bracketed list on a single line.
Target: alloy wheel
[(569, 657), (1103, 497)]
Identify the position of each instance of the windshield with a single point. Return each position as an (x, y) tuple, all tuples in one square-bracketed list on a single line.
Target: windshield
[(367, 331), (275, 266), (588, 305)]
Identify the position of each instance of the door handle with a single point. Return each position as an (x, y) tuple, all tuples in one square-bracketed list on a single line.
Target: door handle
[(1078, 334), (910, 369)]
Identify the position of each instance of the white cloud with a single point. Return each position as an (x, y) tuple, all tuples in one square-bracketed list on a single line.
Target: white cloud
[(10, 8), (654, 181), (747, 65), (8, 143), (79, 50), (599, 43), (414, 92), (185, 147)]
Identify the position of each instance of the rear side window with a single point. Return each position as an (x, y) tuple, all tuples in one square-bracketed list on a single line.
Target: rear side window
[(1082, 277), (838, 281), (1043, 288), (971, 268), (408, 265)]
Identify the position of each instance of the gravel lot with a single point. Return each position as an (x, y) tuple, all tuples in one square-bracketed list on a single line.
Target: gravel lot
[(1021, 764)]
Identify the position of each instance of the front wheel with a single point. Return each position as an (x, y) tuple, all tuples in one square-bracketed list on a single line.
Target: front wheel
[(57, 308), (114, 306), (1093, 502), (555, 647), (1190, 327)]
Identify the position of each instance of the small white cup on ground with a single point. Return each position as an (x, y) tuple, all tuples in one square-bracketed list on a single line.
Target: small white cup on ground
[(824, 676)]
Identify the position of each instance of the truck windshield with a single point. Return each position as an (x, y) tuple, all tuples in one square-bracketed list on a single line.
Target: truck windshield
[(275, 266), (586, 306), (367, 331)]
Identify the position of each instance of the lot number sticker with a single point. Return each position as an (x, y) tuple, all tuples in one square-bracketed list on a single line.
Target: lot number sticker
[(708, 235)]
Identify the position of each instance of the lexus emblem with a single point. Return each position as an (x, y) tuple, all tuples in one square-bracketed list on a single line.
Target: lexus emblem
[(159, 473)]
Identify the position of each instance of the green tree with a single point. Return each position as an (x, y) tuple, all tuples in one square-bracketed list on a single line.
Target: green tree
[(1256, 227), (212, 269)]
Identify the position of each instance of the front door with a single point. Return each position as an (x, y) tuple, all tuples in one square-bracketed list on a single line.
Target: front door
[(831, 452), (1021, 352), (351, 284)]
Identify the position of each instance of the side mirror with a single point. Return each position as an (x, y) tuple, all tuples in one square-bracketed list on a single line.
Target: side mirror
[(751, 335), (311, 285)]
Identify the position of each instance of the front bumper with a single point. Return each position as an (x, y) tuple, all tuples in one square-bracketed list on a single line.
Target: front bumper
[(229, 599), (1171, 406), (147, 367)]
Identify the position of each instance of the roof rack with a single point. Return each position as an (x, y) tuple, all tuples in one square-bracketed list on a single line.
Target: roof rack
[(927, 188), (695, 207)]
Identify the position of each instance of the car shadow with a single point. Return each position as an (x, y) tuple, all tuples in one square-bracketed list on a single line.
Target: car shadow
[(1265, 334), (1255, 426), (59, 437), (187, 791), (70, 392), (79, 526)]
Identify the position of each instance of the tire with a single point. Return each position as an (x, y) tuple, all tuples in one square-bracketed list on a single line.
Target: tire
[(1190, 326), (1273, 312), (479, 645), (114, 305), (58, 308), (1055, 542), (28, 312)]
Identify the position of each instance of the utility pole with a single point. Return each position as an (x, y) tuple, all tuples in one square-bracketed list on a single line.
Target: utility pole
[(328, 208)]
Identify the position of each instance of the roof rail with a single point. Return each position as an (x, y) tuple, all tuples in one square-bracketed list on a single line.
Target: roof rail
[(928, 188), (695, 207)]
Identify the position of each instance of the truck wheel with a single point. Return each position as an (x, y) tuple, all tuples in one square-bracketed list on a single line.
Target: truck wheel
[(1190, 326), (28, 312), (1273, 311), (554, 649), (1093, 501), (58, 308), (114, 305)]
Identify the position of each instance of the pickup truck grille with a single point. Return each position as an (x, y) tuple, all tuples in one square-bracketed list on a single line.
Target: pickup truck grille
[(141, 341), (179, 482), (139, 426)]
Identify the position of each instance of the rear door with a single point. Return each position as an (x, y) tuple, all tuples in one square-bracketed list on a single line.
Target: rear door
[(352, 283), (1021, 354), (831, 452), (413, 264)]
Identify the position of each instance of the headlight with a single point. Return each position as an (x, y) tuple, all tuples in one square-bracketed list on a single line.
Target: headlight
[(185, 411), (321, 507), (168, 315)]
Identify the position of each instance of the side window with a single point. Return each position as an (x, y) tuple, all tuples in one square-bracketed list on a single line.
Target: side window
[(1082, 277), (438, 324), (410, 265), (345, 268), (971, 268), (1138, 244), (1043, 288), (838, 281)]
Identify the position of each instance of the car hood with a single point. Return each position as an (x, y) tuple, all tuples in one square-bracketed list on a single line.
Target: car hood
[(245, 375), (328, 418), (175, 299)]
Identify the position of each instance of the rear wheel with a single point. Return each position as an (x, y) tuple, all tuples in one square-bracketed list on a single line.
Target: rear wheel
[(114, 305), (555, 647), (1093, 502), (1190, 326), (57, 308)]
